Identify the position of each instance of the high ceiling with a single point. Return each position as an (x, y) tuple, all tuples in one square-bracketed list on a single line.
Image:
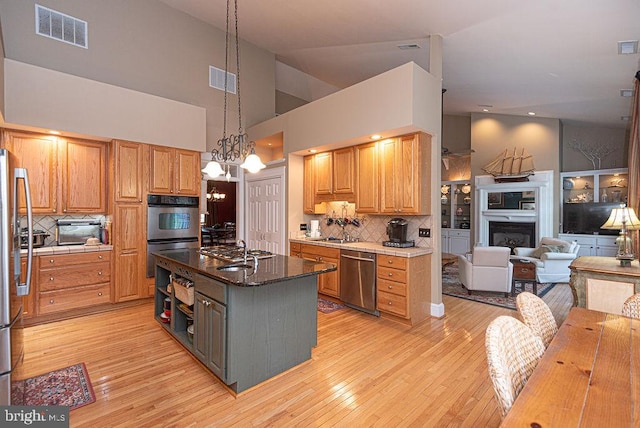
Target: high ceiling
[(558, 59)]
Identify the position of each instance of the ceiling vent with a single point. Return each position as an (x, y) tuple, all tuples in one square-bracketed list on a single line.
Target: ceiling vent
[(409, 46), (628, 47), (216, 79), (61, 27)]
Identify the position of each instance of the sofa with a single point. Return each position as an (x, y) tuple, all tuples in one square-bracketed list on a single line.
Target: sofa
[(552, 258)]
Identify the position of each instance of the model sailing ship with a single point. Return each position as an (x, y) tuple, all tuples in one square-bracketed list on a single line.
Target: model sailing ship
[(508, 167)]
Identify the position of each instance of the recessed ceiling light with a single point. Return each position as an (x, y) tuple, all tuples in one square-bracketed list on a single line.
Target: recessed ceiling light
[(409, 46), (486, 110), (376, 137), (531, 113), (628, 47), (52, 132), (312, 150), (626, 92)]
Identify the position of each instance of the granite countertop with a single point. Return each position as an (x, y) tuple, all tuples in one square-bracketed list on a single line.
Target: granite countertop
[(374, 247), (67, 249), (271, 270)]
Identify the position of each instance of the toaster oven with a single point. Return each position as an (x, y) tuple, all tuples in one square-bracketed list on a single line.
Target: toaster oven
[(76, 232)]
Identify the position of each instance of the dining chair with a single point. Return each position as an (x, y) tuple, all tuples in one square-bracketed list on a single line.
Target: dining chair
[(537, 316), (513, 351), (631, 306)]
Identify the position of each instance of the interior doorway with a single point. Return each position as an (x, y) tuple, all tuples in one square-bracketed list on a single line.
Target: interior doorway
[(221, 203)]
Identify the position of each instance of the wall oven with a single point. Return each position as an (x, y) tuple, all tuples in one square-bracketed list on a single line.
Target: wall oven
[(172, 222)]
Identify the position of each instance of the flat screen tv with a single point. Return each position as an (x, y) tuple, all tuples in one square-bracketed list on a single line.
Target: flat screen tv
[(586, 218)]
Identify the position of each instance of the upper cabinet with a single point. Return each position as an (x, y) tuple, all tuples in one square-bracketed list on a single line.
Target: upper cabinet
[(328, 176), (65, 175), (404, 179), (367, 196), (128, 164), (174, 171)]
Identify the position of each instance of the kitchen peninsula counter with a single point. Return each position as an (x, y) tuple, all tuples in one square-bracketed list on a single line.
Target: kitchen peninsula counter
[(373, 247), (245, 327)]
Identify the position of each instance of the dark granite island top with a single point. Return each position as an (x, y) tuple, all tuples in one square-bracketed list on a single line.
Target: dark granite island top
[(244, 326), (270, 270)]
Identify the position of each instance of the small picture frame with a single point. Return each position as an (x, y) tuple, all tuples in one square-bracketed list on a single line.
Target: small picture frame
[(527, 206), (529, 194), (494, 199)]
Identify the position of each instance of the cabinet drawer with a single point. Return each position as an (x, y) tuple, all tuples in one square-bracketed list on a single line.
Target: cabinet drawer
[(392, 287), (313, 251), (74, 259), (524, 271), (392, 303), (392, 274), (74, 276), (392, 261), (295, 247), (54, 301)]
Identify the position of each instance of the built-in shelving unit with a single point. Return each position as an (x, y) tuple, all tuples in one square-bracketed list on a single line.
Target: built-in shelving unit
[(455, 200)]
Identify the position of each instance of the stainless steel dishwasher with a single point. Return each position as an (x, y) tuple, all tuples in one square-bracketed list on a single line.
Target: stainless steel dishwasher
[(358, 280)]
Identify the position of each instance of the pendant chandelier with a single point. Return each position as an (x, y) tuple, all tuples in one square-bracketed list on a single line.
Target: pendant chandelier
[(233, 147)]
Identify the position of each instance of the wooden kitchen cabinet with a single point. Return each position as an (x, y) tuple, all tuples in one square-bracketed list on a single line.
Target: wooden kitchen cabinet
[(174, 171), (28, 301), (367, 195), (295, 249), (331, 175), (130, 252), (128, 167), (404, 179), (404, 287), (328, 283), (66, 176), (69, 281)]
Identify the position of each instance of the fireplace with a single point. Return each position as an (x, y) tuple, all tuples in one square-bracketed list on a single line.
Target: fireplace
[(512, 234)]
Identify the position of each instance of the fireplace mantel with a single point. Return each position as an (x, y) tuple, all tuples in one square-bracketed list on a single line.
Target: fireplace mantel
[(541, 184)]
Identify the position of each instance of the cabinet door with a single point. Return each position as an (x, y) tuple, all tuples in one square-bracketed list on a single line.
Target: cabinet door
[(343, 171), (329, 283), (84, 176), (130, 260), (128, 171), (209, 341), (459, 244), (408, 182), (323, 173), (28, 301), (367, 196), (388, 176), (187, 172), (309, 185), (38, 154), (161, 169)]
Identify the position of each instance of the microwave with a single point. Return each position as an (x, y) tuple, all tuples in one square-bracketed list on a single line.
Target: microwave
[(76, 232)]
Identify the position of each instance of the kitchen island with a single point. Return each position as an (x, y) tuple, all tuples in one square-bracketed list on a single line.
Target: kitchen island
[(246, 326)]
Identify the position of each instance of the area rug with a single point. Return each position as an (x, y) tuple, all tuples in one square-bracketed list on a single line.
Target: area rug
[(69, 386), (451, 286), (327, 306)]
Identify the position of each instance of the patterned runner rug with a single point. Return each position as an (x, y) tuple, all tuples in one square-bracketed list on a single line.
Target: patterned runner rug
[(69, 386), (327, 306), (451, 286)]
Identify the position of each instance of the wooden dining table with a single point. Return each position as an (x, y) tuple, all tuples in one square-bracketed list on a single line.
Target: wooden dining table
[(589, 376)]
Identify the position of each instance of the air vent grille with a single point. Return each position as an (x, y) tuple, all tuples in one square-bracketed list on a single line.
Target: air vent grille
[(216, 79), (58, 26)]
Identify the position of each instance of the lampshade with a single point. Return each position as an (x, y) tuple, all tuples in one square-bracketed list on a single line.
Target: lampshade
[(213, 169), (252, 163), (623, 217)]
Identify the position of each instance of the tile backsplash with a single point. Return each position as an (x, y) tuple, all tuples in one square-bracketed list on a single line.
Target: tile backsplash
[(373, 228), (47, 223)]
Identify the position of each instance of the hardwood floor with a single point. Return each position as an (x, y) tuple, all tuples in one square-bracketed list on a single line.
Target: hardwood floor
[(365, 371)]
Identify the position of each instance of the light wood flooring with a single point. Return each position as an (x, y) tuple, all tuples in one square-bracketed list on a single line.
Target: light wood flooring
[(365, 371)]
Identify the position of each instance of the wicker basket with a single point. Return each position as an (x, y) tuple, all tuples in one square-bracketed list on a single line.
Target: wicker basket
[(183, 290)]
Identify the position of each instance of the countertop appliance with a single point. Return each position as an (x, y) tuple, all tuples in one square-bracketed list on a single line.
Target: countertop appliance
[(76, 232), (358, 280), (173, 222), (397, 232), (39, 238), (11, 287), (233, 254)]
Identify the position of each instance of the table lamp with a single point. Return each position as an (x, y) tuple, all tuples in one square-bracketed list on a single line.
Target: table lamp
[(625, 219)]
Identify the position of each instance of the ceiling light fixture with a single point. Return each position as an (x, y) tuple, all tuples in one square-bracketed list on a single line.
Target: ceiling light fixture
[(376, 137), (233, 147), (628, 47)]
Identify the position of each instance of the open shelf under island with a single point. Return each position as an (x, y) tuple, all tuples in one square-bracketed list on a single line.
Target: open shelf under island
[(245, 326)]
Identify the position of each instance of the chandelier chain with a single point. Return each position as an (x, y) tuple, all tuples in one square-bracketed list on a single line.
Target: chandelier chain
[(240, 131)]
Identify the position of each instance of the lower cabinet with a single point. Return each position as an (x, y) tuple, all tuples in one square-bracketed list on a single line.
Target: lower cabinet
[(69, 281), (456, 241), (593, 245), (328, 283), (210, 327), (28, 301)]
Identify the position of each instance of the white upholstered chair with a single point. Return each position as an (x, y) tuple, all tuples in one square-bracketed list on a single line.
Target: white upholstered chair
[(488, 270), (513, 351), (552, 258)]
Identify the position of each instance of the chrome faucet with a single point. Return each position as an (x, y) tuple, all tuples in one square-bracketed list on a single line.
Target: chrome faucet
[(244, 247)]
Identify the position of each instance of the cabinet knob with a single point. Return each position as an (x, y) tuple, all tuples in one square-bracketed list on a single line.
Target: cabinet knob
[(50, 278), (390, 303), (390, 261), (54, 210), (100, 257), (51, 301), (51, 260), (390, 274), (99, 272), (99, 293), (390, 287), (64, 211)]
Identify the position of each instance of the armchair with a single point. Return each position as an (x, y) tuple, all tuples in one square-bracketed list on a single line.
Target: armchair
[(488, 270), (552, 258)]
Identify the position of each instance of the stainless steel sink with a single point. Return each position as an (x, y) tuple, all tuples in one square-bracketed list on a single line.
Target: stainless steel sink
[(235, 267)]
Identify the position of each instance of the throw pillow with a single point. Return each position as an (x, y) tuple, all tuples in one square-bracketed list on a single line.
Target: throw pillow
[(538, 252)]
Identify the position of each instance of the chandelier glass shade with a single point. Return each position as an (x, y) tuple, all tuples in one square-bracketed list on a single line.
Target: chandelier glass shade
[(231, 148)]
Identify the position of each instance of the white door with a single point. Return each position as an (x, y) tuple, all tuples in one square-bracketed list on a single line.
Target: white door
[(265, 211)]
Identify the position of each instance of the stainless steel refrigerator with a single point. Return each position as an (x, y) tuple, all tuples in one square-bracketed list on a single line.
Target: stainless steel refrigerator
[(12, 289)]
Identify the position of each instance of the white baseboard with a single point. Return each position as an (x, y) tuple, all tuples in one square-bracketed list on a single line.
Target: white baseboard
[(437, 310)]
